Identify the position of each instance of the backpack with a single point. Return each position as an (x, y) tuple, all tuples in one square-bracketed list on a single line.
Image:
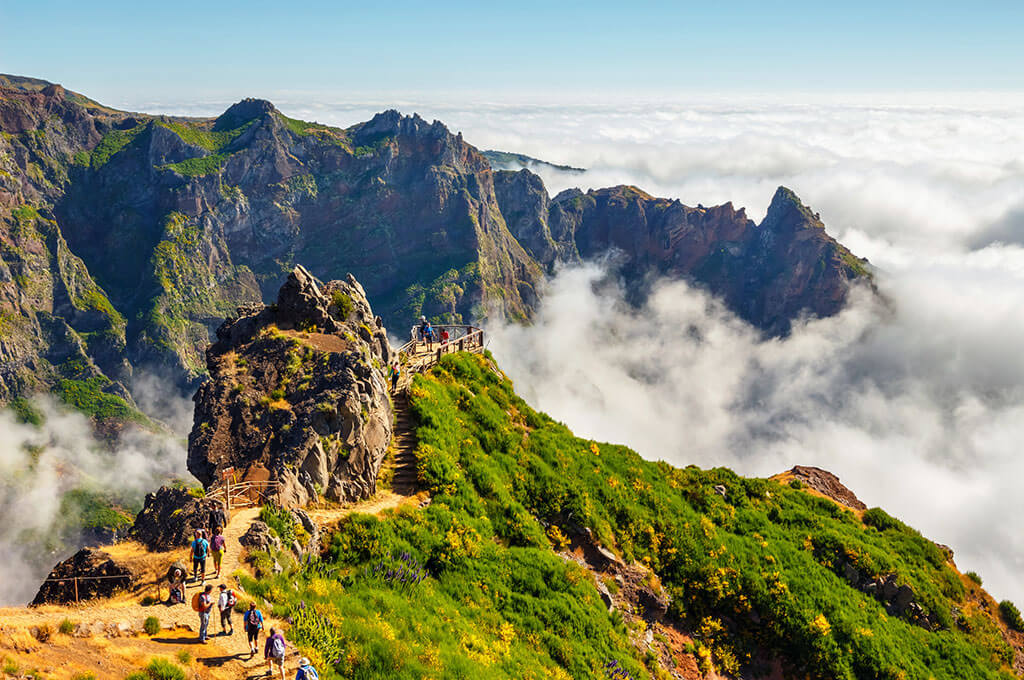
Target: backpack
[(277, 647), (232, 600), (197, 606), (309, 673), (199, 549), (252, 618)]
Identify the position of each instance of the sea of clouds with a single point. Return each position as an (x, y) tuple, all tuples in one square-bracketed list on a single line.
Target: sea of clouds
[(917, 405)]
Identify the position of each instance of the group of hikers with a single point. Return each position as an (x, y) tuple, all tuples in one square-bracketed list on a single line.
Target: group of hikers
[(429, 335), (425, 333), (211, 542)]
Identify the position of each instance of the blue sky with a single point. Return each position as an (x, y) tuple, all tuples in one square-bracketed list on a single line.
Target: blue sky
[(122, 52)]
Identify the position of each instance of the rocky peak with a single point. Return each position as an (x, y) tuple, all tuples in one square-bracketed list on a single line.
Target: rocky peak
[(242, 112), (297, 395), (787, 213)]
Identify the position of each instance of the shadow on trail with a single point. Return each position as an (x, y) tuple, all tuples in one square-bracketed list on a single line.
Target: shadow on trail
[(193, 640), (217, 661)]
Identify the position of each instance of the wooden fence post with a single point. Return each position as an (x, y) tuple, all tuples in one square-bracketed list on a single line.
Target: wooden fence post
[(75, 581)]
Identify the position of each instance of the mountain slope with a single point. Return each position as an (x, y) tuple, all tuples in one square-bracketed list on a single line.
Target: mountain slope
[(531, 532)]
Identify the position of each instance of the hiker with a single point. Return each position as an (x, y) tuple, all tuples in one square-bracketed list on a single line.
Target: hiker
[(217, 549), (225, 603), (396, 372), (253, 626), (444, 336), (217, 519), (177, 585), (199, 549), (424, 324), (274, 652), (204, 606), (428, 334), (306, 671)]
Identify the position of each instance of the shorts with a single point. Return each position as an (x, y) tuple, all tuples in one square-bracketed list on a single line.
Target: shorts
[(275, 659), (252, 633)]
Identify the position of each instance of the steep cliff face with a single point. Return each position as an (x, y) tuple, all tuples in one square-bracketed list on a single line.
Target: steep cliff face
[(769, 274), (297, 395)]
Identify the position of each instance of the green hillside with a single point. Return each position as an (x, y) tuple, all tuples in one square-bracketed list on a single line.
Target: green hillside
[(473, 585)]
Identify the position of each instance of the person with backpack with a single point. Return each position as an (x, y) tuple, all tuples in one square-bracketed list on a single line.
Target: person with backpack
[(203, 605), (217, 549), (306, 671), (200, 546), (396, 372), (428, 335), (226, 603), (423, 328), (253, 626), (218, 519), (275, 651), (176, 582)]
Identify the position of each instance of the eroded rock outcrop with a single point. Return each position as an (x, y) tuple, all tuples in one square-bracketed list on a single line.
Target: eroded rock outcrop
[(85, 575), (297, 395), (170, 517), (826, 483)]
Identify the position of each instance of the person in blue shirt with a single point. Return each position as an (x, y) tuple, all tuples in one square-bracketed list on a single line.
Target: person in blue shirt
[(253, 626), (200, 547)]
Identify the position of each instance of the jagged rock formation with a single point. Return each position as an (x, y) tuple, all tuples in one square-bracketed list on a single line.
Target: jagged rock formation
[(170, 517), (126, 239), (769, 274), (98, 575), (297, 395)]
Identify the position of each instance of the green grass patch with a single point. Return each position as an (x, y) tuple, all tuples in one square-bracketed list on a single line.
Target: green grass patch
[(88, 397), (27, 412), (198, 167), (112, 143)]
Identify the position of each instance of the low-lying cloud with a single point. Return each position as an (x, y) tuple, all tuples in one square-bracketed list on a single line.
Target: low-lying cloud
[(39, 464)]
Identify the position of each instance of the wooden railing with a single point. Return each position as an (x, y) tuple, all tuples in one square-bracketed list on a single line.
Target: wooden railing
[(243, 494), (461, 338)]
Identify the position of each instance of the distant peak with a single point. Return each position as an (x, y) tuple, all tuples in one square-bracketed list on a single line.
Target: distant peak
[(787, 211), (242, 112)]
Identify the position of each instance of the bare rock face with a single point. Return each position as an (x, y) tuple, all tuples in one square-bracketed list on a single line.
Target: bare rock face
[(297, 395), (97, 574), (826, 483), (170, 517)]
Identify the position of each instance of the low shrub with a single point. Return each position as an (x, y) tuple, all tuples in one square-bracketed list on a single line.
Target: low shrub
[(151, 625), (1011, 615), (66, 627), (973, 575)]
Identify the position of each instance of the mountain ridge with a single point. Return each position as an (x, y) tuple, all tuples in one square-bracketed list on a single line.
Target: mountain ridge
[(169, 223)]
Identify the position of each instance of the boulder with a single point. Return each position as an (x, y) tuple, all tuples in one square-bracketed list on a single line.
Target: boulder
[(259, 537), (170, 517), (87, 574), (827, 484)]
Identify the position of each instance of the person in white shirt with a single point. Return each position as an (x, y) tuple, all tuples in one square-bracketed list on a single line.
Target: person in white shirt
[(225, 603)]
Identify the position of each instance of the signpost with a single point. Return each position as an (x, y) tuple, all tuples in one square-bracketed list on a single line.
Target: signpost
[(226, 475)]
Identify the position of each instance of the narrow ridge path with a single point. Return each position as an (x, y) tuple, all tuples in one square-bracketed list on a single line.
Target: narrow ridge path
[(406, 479)]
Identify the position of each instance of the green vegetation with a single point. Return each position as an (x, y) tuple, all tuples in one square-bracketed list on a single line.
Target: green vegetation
[(197, 167), (66, 627), (27, 412), (759, 569), (211, 140), (1011, 615), (973, 575), (112, 142), (344, 304), (159, 669), (303, 128), (88, 397), (184, 656), (151, 625), (96, 511), (280, 521)]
